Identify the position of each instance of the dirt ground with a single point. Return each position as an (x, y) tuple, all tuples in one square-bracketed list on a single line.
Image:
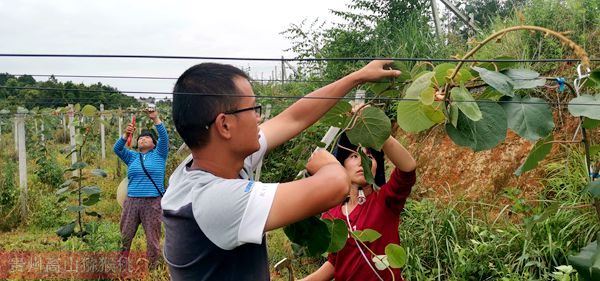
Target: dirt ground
[(447, 171)]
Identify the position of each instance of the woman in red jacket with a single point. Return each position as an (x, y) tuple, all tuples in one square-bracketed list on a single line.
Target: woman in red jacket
[(367, 207)]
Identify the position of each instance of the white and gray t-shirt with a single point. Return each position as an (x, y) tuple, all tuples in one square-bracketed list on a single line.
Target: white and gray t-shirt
[(214, 226)]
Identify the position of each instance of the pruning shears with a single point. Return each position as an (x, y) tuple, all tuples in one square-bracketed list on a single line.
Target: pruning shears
[(131, 135)]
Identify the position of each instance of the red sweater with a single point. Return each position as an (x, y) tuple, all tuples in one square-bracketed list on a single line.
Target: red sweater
[(380, 212)]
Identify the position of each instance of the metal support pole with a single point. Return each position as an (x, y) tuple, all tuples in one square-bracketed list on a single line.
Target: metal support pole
[(436, 18), (282, 70)]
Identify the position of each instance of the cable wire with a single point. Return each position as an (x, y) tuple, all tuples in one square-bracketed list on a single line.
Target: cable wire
[(117, 56), (380, 99)]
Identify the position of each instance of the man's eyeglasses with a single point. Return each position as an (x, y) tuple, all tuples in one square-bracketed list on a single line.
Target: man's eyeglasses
[(257, 109)]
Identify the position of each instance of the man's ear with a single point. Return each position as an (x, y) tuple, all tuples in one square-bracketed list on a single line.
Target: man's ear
[(222, 126)]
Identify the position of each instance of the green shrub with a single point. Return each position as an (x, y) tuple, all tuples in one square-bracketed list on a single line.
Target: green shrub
[(9, 215)]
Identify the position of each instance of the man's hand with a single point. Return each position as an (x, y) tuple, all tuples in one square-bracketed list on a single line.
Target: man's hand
[(376, 70), (319, 159)]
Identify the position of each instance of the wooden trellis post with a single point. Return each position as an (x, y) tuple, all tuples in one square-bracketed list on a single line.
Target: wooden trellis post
[(102, 142), (16, 135), (64, 124), (120, 134), (20, 126), (43, 137)]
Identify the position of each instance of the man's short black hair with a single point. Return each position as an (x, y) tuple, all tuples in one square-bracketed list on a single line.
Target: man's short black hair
[(200, 94), (341, 152)]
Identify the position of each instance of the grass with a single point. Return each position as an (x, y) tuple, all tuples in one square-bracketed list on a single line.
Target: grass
[(462, 241)]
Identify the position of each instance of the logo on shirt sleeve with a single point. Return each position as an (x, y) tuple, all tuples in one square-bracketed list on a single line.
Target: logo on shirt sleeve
[(249, 186)]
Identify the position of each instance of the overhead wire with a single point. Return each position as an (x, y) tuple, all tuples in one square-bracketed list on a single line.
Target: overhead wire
[(120, 56), (287, 97)]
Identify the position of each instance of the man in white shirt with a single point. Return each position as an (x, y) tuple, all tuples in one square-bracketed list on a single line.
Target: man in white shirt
[(215, 215)]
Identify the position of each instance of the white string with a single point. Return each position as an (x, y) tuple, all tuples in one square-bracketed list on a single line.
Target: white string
[(358, 245)]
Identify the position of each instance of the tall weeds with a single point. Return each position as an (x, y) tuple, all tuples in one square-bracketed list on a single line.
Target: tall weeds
[(461, 241)]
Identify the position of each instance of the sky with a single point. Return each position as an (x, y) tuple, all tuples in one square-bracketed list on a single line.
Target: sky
[(130, 27)]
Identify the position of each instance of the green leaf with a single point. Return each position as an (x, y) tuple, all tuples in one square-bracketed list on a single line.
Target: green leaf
[(530, 118), (405, 75), (4, 111), (521, 73), (67, 183), (434, 112), (93, 214), (586, 262), (490, 94), (419, 85), (594, 149), (367, 235), (586, 105), (76, 208), (366, 165), (392, 93), (442, 73), (454, 115), (379, 87), (590, 123), (419, 69), (396, 255), (371, 129), (89, 110), (483, 134), (537, 154), (524, 78), (91, 190), (412, 116), (62, 190), (339, 234), (595, 76), (310, 233), (91, 200), (339, 115), (90, 227), (99, 172), (66, 230), (496, 80), (381, 262), (78, 165), (462, 76), (500, 65), (104, 122), (465, 102), (427, 96)]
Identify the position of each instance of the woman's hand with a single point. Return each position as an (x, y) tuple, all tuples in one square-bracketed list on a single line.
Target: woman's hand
[(152, 114), (128, 131)]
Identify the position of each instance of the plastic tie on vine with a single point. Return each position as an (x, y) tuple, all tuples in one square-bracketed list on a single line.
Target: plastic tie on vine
[(561, 83), (580, 76)]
